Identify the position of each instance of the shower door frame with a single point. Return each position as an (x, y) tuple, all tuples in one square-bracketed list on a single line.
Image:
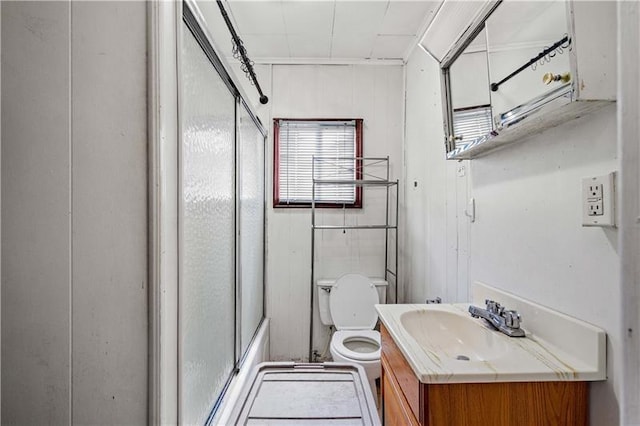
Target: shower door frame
[(164, 25)]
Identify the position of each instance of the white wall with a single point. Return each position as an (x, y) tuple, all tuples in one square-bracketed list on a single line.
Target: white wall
[(434, 257), (35, 313), (373, 93), (629, 185), (528, 238), (74, 258)]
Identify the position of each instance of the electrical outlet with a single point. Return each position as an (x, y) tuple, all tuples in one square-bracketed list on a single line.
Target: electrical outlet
[(595, 207), (595, 190), (598, 200)]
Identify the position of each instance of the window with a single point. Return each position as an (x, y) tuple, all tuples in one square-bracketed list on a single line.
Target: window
[(471, 123), (336, 146)]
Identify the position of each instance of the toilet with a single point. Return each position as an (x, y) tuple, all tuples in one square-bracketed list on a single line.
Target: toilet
[(348, 303)]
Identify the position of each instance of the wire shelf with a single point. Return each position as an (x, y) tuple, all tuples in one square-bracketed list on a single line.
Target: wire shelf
[(361, 168)]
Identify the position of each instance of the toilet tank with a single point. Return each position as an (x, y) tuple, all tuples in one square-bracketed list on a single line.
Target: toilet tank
[(324, 289)]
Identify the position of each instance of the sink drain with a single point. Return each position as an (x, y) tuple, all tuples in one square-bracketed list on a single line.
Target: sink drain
[(462, 358)]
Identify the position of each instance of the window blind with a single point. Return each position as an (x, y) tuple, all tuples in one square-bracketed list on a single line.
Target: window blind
[(470, 124), (333, 143)]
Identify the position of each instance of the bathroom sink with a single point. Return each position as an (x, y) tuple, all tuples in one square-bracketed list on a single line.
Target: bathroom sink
[(443, 343), (454, 335)]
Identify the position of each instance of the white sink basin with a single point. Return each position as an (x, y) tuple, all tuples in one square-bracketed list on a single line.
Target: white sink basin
[(443, 344), (455, 336)]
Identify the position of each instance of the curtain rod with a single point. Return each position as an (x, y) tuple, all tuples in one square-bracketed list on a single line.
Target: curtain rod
[(545, 52), (247, 64)]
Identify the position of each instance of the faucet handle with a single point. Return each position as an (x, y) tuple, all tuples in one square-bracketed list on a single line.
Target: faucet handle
[(494, 307), (511, 319)]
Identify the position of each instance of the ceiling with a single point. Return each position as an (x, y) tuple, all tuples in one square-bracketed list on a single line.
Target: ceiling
[(330, 30)]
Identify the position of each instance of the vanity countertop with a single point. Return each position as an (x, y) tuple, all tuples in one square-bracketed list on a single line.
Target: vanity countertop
[(433, 351)]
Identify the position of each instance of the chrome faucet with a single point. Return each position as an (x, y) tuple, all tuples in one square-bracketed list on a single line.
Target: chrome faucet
[(503, 320)]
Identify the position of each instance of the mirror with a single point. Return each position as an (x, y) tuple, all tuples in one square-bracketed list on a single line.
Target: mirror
[(517, 33), (509, 65), (471, 115)]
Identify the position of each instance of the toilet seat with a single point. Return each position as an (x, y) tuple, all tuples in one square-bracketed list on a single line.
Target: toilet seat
[(352, 303), (371, 337)]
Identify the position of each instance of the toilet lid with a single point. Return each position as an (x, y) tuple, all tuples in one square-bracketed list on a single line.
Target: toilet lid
[(352, 301)]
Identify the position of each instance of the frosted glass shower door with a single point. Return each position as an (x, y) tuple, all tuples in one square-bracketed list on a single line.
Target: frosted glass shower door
[(207, 234), (251, 193)]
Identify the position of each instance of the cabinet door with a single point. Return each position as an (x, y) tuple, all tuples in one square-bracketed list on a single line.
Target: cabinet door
[(403, 375), (395, 407)]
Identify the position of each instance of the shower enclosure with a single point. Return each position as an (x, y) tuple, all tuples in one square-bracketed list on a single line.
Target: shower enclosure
[(221, 225)]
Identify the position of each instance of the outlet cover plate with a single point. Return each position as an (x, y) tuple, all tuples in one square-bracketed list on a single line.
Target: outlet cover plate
[(598, 192)]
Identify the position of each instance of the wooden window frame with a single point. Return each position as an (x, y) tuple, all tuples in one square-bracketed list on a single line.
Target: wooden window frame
[(276, 166)]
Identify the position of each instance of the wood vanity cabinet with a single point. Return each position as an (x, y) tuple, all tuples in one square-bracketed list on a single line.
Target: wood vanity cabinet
[(406, 401)]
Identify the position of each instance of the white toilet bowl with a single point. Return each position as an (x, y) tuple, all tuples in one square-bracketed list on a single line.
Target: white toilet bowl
[(352, 303), (360, 347)]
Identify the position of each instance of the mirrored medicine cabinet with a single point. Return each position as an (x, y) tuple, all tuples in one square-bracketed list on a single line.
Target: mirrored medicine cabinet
[(523, 66)]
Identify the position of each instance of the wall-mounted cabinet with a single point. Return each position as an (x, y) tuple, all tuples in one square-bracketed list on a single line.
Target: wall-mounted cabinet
[(514, 68)]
